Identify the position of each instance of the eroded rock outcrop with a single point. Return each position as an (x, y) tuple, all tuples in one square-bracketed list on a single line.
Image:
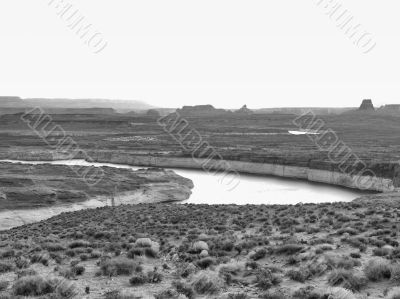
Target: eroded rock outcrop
[(367, 105)]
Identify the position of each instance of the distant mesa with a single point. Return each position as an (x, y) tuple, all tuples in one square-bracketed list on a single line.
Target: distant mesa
[(366, 105), (201, 110), (11, 101), (244, 110)]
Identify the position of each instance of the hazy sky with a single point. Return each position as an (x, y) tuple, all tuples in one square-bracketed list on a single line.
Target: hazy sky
[(227, 53)]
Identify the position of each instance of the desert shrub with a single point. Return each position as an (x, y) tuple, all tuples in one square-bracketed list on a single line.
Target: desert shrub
[(265, 279), (151, 252), (184, 289), (186, 270), (41, 259), (393, 293), (33, 286), (7, 253), (378, 269), (84, 257), (118, 266), (380, 251), (347, 279), (395, 273), (27, 272), (200, 246), (66, 289), (206, 262), (78, 243), (78, 270), (298, 275), (355, 255), (154, 277), (6, 267), (95, 254), (259, 254), (289, 249), (338, 293), (138, 279), (22, 263), (207, 283), (143, 242), (3, 285), (52, 247)]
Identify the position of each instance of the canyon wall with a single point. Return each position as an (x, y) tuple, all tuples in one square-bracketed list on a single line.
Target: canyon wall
[(381, 184), (297, 172)]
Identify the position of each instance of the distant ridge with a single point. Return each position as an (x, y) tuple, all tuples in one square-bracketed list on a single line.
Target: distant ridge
[(15, 104)]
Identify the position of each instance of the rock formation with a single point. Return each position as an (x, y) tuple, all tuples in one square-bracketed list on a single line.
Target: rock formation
[(367, 105), (201, 110), (244, 110)]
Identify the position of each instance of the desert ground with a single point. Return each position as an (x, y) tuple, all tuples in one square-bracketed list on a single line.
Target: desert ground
[(164, 250)]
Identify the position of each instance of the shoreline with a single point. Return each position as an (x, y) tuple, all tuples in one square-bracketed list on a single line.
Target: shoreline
[(329, 177), (379, 184)]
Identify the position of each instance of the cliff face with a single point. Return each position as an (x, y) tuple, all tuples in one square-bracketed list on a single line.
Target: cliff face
[(387, 179), (305, 173)]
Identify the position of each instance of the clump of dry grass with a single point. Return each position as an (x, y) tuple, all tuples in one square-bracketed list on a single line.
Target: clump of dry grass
[(377, 269)]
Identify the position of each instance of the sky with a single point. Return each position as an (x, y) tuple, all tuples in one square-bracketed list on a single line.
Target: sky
[(263, 53)]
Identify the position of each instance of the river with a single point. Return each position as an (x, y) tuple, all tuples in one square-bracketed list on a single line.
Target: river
[(207, 189)]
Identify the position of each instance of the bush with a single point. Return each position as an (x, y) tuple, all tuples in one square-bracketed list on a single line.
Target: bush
[(66, 289), (151, 252), (265, 279), (118, 266), (33, 286), (79, 243), (395, 273), (299, 275), (3, 285), (206, 262), (347, 279), (138, 280), (207, 283), (154, 277), (259, 254), (377, 270), (78, 270), (184, 289), (289, 249), (338, 293), (5, 267)]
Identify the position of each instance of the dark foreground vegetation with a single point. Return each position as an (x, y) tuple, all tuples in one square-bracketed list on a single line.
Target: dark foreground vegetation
[(338, 251)]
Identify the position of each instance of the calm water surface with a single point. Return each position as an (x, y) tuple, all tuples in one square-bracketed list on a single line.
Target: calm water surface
[(252, 189)]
